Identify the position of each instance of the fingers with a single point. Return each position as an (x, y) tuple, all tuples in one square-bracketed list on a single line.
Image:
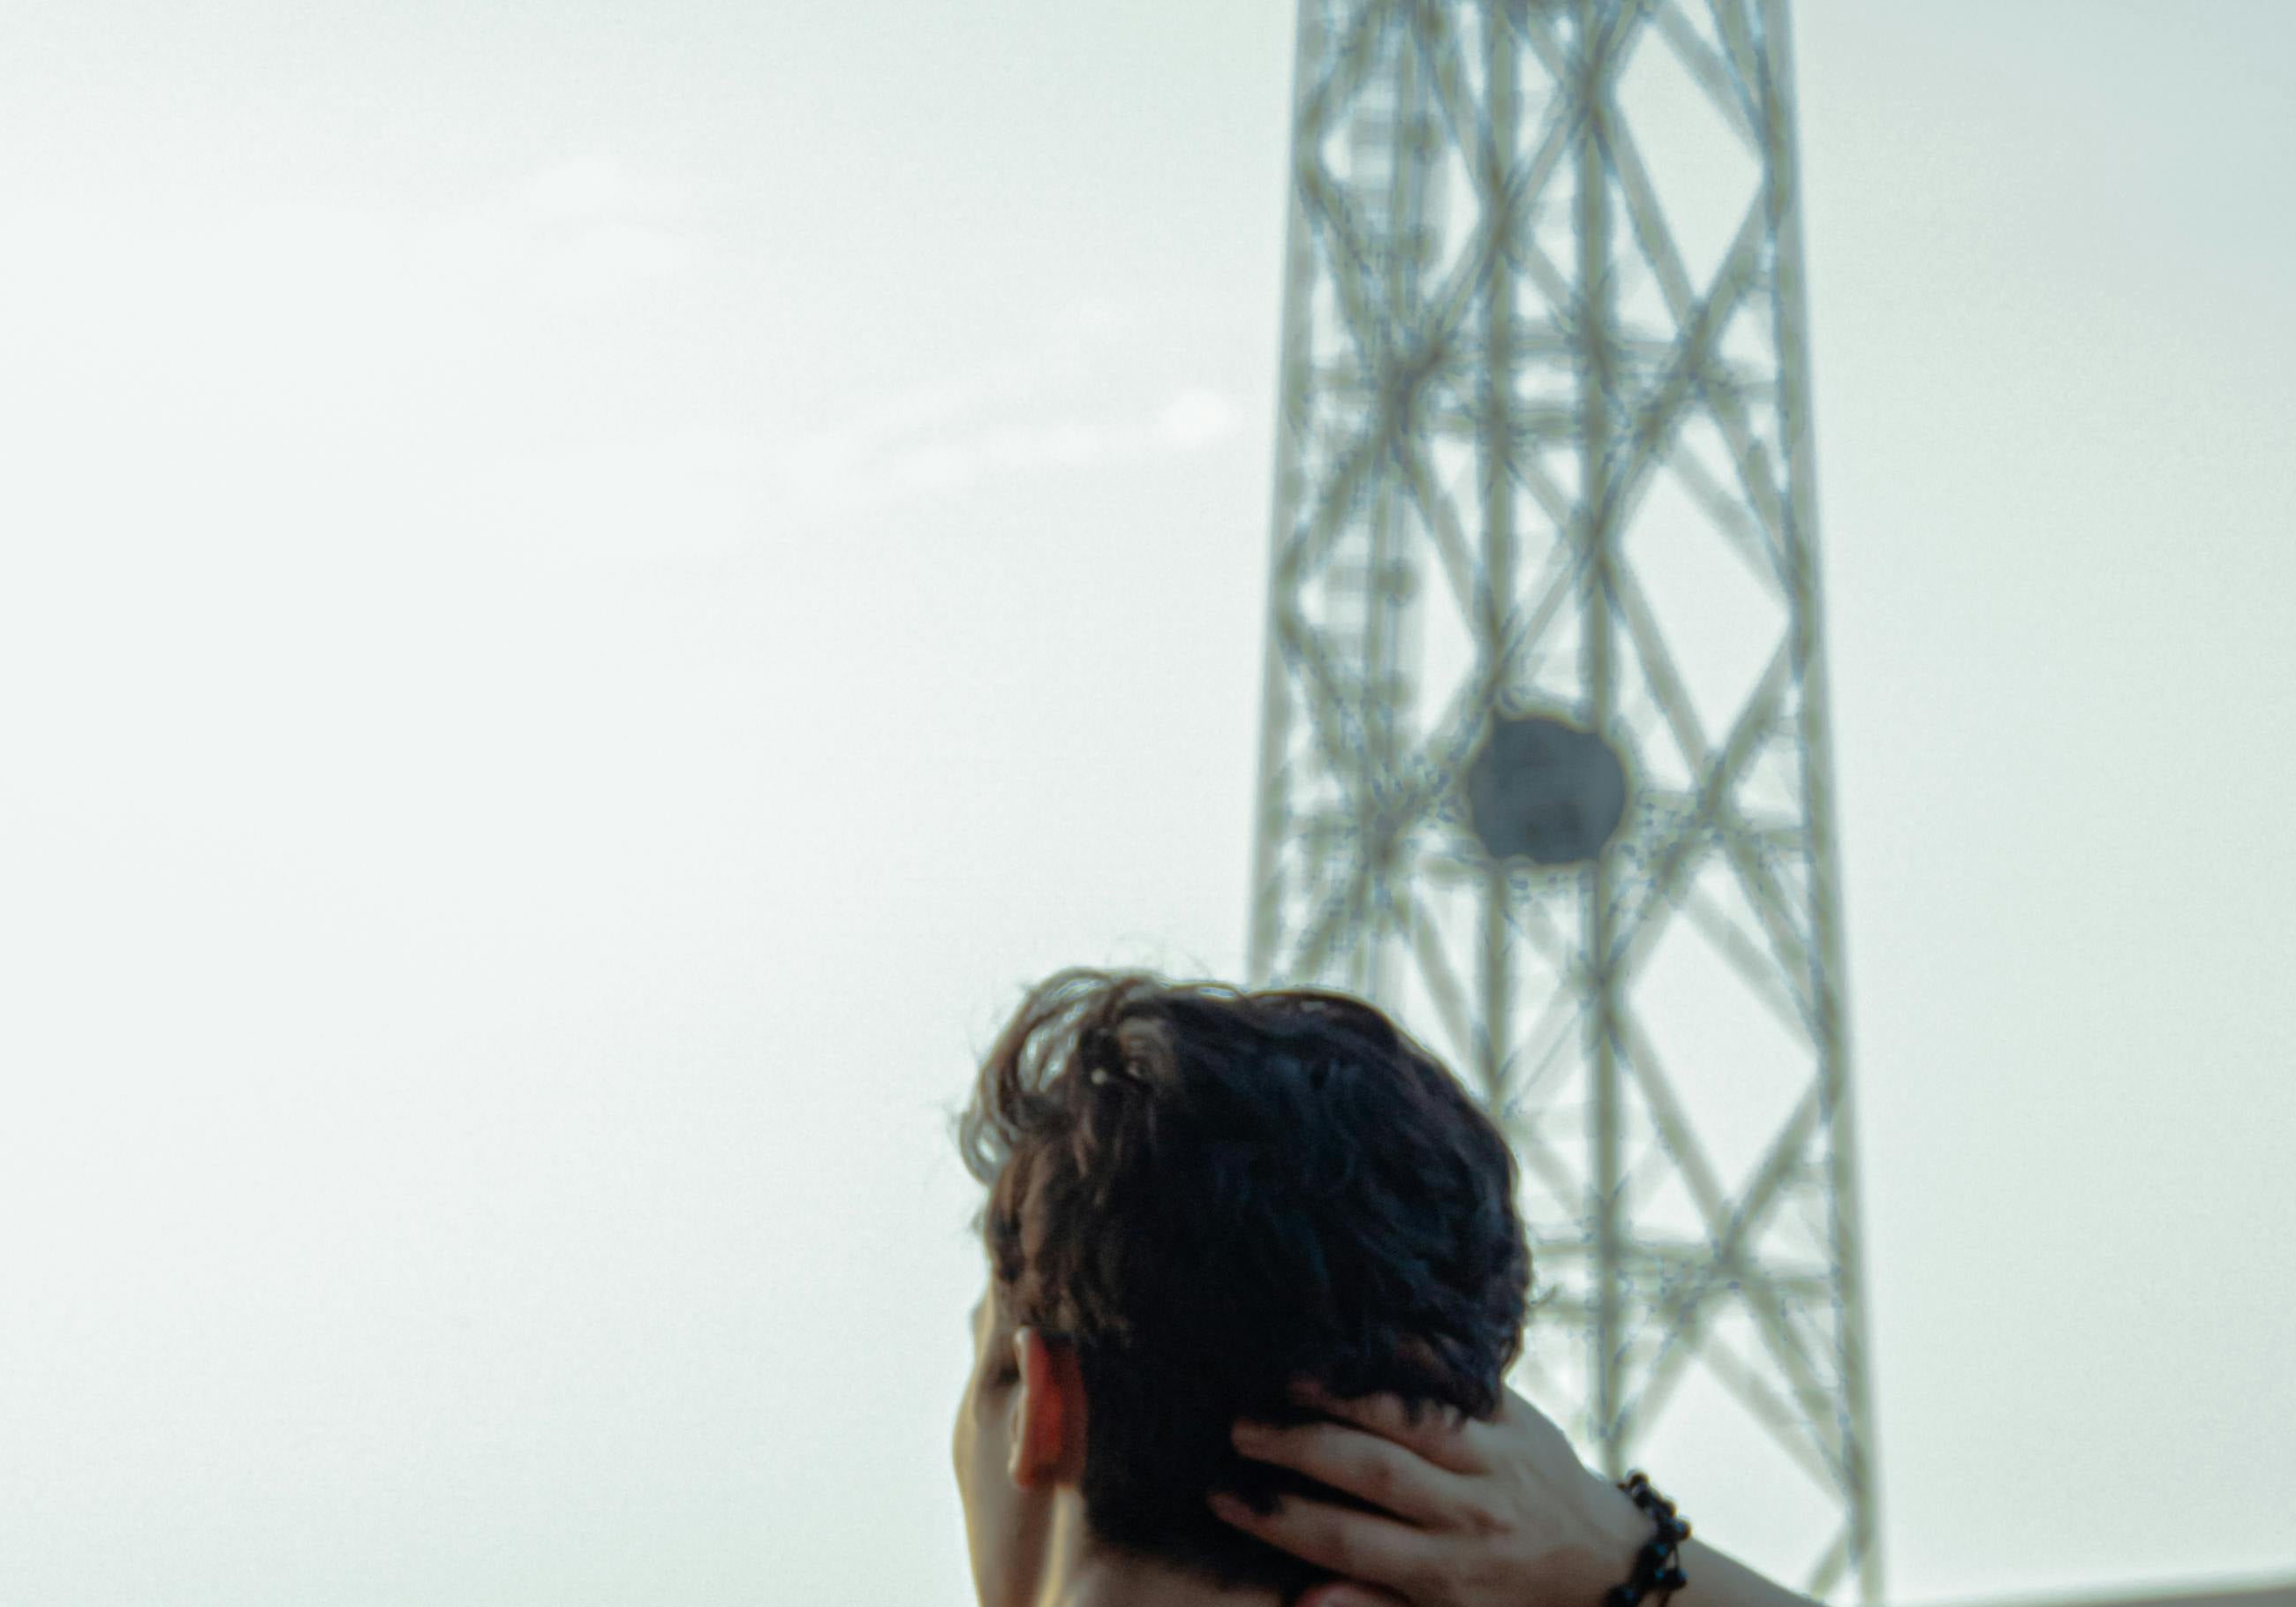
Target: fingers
[(1389, 1476), (1441, 1435), (1346, 1593), (1365, 1548)]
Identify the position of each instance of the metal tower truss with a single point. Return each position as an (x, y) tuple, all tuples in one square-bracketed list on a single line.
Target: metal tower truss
[(1545, 449)]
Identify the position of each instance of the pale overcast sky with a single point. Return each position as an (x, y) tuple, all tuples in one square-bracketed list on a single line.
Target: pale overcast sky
[(590, 590)]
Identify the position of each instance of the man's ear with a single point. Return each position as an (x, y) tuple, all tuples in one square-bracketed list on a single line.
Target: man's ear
[(1048, 1413)]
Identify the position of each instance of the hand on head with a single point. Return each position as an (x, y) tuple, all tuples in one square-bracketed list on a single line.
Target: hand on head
[(1470, 1513)]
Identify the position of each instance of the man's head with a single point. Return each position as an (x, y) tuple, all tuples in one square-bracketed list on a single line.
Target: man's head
[(1195, 1195)]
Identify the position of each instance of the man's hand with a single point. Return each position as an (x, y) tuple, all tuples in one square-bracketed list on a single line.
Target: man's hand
[(1476, 1513)]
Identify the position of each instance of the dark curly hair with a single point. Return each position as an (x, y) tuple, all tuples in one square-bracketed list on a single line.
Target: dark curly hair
[(1207, 1192)]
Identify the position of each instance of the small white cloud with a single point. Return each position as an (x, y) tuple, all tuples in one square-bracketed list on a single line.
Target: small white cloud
[(457, 255), (598, 263), (693, 492), (1196, 418), (588, 187), (931, 404), (816, 466), (1090, 320), (589, 229), (951, 434), (1036, 446), (938, 466)]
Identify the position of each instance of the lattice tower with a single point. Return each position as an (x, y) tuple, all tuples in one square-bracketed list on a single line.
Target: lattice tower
[(1544, 450)]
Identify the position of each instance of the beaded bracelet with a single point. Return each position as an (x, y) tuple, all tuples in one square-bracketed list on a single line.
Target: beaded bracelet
[(1657, 1568)]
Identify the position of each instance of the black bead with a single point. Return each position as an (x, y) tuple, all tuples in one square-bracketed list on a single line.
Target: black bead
[(1658, 1565)]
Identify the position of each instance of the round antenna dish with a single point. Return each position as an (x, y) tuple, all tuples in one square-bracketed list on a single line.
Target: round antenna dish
[(1543, 790)]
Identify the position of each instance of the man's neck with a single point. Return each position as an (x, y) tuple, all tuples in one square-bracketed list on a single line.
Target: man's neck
[(1099, 1578), (1077, 1572)]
